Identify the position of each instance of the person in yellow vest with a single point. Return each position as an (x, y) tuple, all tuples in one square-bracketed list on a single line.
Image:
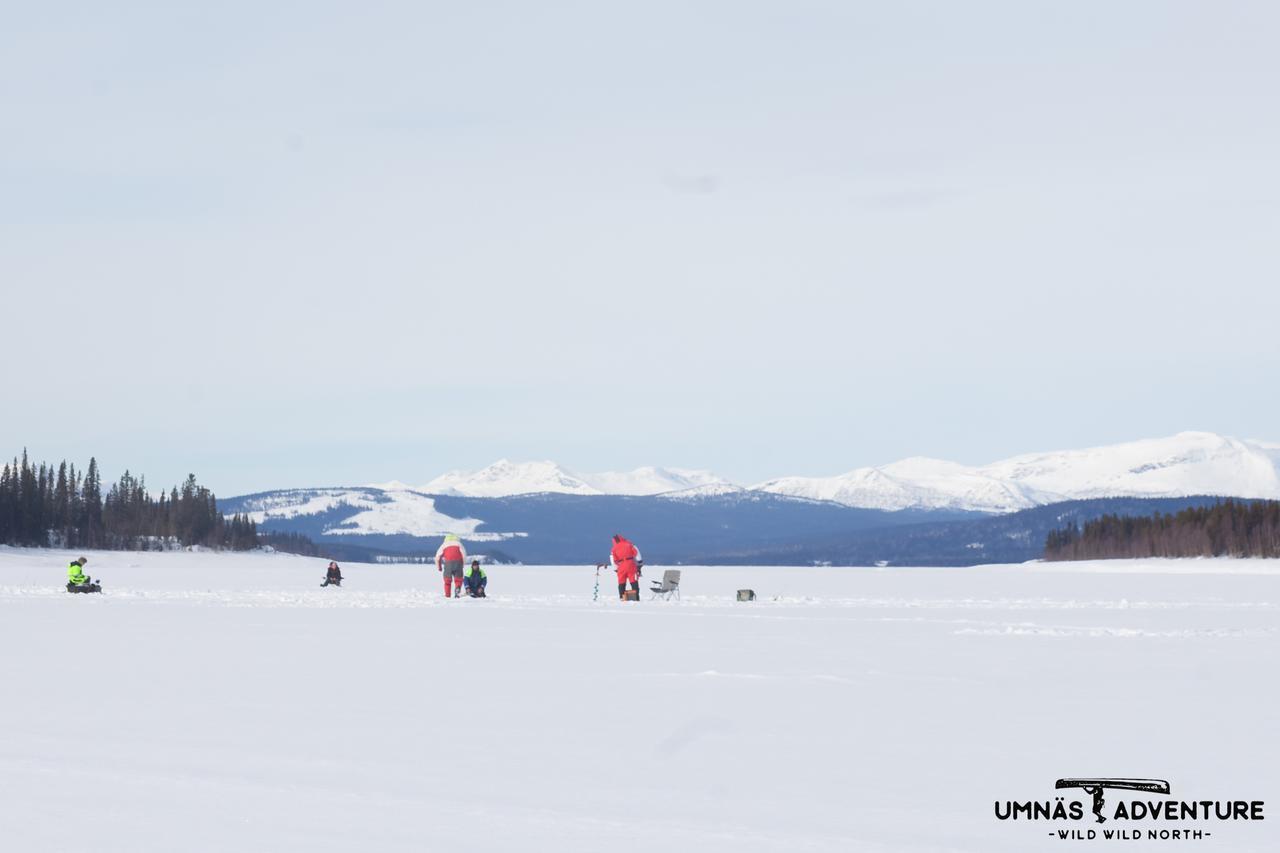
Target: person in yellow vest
[(75, 572), (475, 579)]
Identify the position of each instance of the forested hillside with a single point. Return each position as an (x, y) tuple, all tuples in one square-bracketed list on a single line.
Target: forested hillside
[(1227, 529), (1013, 538), (47, 506)]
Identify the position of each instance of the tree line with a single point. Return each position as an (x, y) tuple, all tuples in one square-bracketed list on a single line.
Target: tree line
[(1228, 529), (291, 543), (60, 507)]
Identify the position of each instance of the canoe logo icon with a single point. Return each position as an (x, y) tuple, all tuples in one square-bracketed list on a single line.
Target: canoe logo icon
[(1096, 787)]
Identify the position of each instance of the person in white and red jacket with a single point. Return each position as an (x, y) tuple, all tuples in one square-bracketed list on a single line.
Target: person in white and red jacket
[(450, 558)]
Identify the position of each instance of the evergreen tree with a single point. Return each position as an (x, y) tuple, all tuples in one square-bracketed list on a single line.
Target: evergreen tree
[(91, 495), (61, 520)]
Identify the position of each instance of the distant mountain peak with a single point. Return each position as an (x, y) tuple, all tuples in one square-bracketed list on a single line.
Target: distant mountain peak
[(390, 486), (505, 478), (1188, 463)]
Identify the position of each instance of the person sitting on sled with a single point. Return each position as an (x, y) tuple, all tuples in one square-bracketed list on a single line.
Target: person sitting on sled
[(475, 579), (75, 573), (333, 576)]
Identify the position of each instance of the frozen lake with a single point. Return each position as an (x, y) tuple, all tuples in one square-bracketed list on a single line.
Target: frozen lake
[(226, 702)]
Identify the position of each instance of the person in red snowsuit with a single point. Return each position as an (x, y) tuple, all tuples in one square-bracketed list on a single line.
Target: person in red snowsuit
[(626, 561)]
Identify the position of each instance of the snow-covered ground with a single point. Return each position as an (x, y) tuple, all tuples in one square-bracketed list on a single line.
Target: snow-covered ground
[(226, 702)]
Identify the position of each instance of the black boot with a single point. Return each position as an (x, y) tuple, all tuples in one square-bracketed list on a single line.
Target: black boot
[(622, 592)]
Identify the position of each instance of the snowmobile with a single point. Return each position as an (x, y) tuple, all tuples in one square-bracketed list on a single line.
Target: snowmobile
[(91, 586)]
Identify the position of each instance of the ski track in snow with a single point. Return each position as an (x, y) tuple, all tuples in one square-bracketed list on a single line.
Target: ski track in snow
[(1027, 629), (689, 605), (780, 608)]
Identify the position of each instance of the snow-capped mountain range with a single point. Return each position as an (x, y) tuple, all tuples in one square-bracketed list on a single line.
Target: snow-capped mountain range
[(539, 511), (1189, 463), (505, 478)]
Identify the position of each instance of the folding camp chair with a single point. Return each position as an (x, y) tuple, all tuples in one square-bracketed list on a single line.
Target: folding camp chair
[(670, 585)]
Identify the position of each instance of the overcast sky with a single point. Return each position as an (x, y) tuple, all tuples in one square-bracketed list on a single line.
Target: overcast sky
[(289, 244)]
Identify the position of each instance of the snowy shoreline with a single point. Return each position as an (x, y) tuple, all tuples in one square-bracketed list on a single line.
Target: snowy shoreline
[(39, 560)]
